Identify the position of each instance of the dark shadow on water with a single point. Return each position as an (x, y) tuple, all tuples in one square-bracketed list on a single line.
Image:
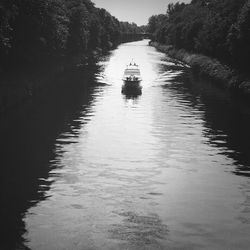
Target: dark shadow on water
[(226, 118), (27, 148)]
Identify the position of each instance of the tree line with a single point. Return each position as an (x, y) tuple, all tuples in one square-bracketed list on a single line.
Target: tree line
[(217, 28), (38, 30)]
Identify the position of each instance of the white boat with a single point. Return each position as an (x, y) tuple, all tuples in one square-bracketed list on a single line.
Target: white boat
[(132, 78)]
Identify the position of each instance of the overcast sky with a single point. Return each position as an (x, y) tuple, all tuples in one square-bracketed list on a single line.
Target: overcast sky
[(137, 11)]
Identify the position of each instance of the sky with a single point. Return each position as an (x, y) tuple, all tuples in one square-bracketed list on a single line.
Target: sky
[(137, 11)]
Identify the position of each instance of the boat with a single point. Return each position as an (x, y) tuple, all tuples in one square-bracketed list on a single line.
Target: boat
[(132, 79)]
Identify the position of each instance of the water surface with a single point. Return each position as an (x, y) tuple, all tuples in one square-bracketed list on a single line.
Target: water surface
[(96, 169)]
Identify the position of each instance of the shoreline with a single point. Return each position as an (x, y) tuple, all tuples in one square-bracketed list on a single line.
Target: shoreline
[(211, 68)]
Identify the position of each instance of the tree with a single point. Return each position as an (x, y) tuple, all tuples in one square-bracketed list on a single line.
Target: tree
[(8, 12), (239, 37), (218, 28)]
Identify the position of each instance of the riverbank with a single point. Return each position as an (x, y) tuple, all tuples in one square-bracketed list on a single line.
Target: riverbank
[(222, 74)]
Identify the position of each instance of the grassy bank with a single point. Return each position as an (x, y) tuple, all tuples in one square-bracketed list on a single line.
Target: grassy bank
[(222, 74)]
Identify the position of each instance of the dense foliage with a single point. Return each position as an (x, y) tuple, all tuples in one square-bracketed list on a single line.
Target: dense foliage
[(217, 28), (35, 30)]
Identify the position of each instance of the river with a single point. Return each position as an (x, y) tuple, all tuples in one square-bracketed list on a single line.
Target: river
[(91, 168)]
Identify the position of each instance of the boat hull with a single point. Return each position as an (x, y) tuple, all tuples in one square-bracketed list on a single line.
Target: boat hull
[(131, 87)]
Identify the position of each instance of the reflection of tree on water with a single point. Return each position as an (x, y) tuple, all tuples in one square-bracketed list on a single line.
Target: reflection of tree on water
[(227, 122), (28, 151)]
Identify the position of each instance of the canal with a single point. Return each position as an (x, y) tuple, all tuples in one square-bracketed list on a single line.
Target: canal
[(91, 168)]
